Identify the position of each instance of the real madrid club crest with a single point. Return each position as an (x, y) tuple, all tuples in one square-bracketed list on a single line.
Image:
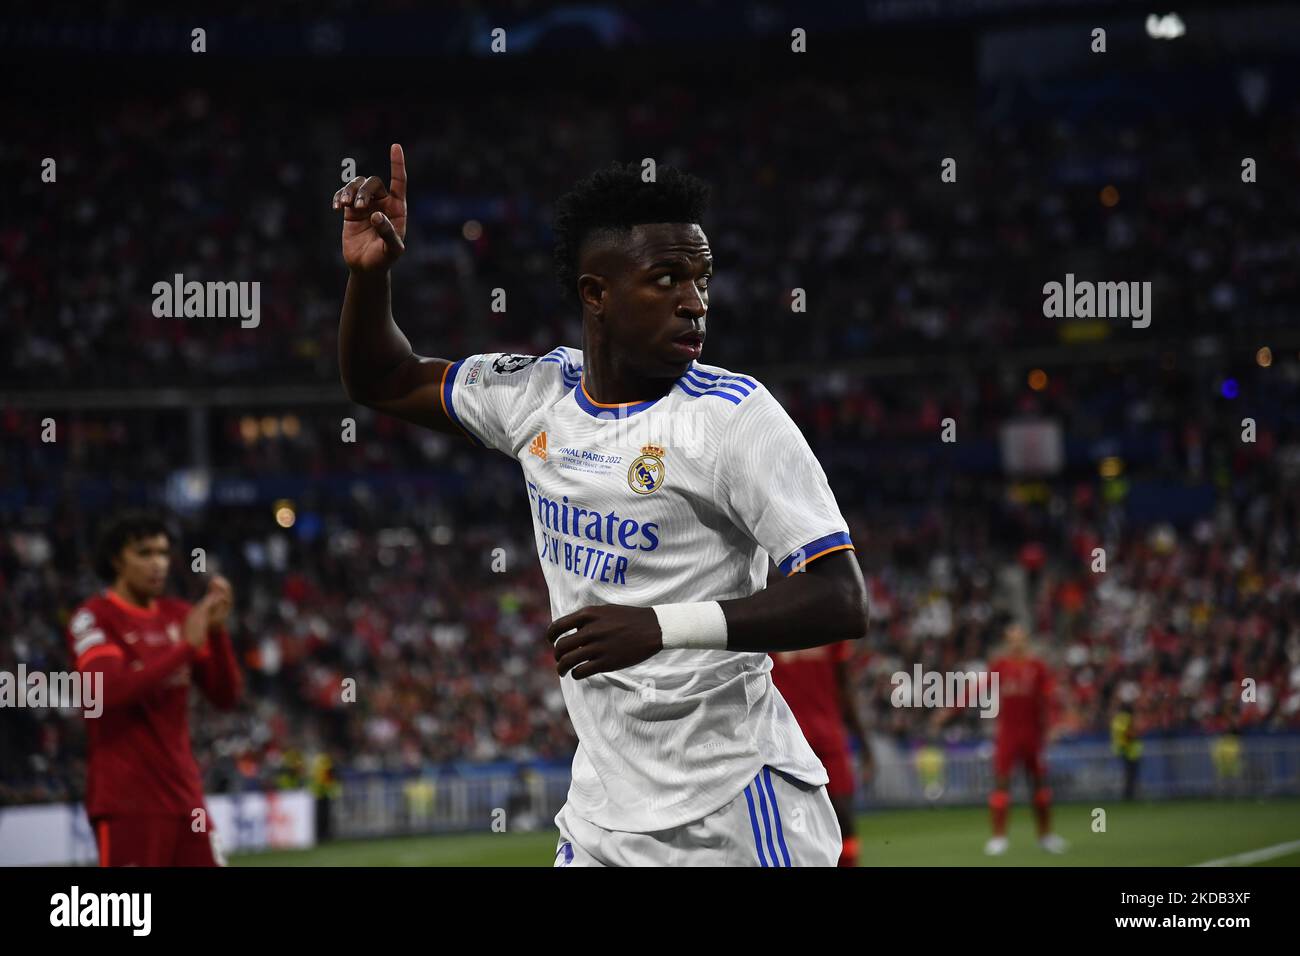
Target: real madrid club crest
[(646, 473)]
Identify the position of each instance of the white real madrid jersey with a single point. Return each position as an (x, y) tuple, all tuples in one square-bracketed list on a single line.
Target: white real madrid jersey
[(659, 502)]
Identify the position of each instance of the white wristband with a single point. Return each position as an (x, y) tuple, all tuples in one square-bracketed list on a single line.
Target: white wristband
[(700, 625)]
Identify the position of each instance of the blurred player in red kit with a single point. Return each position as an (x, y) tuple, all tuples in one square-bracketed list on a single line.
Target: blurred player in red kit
[(815, 683), (142, 782), (1024, 700)]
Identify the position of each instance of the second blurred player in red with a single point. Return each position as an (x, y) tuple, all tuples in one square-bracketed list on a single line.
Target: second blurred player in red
[(144, 796), (1024, 717), (815, 683)]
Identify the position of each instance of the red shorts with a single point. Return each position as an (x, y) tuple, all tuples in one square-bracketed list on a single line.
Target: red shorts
[(1018, 750), (154, 841), (839, 766)]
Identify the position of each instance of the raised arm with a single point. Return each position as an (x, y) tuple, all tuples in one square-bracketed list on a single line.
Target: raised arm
[(376, 362)]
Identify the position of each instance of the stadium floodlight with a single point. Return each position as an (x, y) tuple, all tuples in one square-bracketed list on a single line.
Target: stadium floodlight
[(1168, 27)]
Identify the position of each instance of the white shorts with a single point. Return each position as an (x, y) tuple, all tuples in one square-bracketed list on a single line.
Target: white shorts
[(775, 821)]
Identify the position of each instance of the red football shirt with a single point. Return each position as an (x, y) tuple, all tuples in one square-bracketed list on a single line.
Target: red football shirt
[(806, 679), (1024, 695), (139, 757)]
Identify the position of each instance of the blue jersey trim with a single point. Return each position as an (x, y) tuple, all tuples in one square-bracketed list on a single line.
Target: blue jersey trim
[(714, 376), (610, 413), (716, 392), (814, 549), (448, 388), (571, 373), (736, 387)]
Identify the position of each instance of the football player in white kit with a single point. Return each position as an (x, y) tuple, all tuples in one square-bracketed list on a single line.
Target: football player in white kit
[(659, 487)]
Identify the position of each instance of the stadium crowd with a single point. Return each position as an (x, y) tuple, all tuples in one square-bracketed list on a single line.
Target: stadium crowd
[(432, 603), (891, 259)]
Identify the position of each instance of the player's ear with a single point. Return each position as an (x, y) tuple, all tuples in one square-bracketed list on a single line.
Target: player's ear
[(592, 292)]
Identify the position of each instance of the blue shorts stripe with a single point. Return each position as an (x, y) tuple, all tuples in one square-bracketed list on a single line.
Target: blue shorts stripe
[(753, 821), (767, 822), (780, 833)]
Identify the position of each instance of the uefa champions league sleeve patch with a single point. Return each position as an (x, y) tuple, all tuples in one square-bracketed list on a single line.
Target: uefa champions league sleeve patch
[(505, 364)]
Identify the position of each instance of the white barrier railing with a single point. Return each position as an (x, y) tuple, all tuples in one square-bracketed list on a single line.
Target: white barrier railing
[(58, 834), (1183, 767), (1179, 767)]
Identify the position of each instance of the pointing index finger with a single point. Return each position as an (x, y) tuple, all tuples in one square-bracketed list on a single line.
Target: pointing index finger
[(397, 177)]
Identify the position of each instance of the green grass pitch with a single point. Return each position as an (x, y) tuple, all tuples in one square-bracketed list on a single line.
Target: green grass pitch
[(1178, 833)]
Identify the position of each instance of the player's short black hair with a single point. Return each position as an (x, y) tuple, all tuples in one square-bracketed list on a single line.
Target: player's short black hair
[(119, 531), (615, 198)]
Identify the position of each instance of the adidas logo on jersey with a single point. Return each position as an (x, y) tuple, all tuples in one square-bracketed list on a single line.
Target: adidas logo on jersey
[(538, 446)]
